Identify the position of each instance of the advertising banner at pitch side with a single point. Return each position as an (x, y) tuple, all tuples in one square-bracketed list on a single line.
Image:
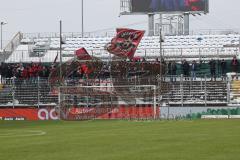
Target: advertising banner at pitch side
[(48, 113)]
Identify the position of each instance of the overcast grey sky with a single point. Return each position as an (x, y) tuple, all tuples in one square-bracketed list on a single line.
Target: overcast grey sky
[(43, 16)]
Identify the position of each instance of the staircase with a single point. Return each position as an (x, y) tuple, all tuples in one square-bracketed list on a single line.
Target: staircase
[(11, 46), (235, 92)]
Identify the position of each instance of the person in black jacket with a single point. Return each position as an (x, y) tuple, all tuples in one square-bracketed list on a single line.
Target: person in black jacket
[(193, 70), (212, 65), (170, 68), (173, 71), (185, 68), (223, 65)]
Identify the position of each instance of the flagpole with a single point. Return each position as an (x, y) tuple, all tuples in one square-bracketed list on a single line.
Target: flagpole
[(60, 51), (161, 58), (82, 21), (160, 36)]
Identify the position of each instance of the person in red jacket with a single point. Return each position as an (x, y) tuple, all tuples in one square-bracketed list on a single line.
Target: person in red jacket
[(30, 72), (25, 75), (84, 69), (35, 70), (39, 69), (234, 64)]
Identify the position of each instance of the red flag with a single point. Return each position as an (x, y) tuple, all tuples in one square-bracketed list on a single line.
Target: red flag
[(82, 54), (125, 43)]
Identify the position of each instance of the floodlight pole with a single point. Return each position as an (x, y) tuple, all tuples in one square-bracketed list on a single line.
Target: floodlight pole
[(160, 61), (2, 23), (161, 54), (186, 23), (60, 48), (160, 36), (82, 21), (1, 34), (239, 45), (160, 43), (150, 24)]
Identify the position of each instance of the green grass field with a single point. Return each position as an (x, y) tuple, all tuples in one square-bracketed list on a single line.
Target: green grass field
[(120, 140)]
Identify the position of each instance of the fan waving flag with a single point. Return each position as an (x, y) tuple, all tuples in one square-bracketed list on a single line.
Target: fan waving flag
[(125, 43), (82, 54), (68, 67)]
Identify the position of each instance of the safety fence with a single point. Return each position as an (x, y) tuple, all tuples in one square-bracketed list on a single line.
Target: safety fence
[(170, 91), (200, 54)]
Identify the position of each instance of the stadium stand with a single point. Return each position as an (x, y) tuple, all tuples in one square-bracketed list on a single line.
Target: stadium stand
[(197, 93), (45, 49)]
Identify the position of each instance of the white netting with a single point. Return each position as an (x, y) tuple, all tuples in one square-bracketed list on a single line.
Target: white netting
[(107, 102)]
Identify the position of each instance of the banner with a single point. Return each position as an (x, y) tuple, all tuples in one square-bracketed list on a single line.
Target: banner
[(199, 112), (120, 112), (47, 113), (81, 113), (125, 43)]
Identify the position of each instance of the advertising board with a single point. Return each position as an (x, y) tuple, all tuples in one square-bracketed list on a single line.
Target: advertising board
[(11, 114)]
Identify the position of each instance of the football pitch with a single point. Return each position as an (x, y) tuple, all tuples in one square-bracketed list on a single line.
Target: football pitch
[(120, 140)]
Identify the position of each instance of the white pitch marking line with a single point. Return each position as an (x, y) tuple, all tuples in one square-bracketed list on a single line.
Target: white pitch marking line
[(22, 133)]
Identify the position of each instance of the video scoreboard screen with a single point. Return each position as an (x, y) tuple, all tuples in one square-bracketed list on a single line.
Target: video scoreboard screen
[(154, 6)]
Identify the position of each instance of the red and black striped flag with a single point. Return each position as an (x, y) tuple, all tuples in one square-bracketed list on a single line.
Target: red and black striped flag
[(125, 43), (82, 54)]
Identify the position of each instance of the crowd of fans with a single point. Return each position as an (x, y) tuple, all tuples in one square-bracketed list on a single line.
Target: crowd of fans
[(134, 67), (190, 69), (27, 71)]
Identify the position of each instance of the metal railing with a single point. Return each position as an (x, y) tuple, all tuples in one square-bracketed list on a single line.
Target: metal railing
[(177, 54), (11, 46), (111, 33), (202, 91), (26, 92), (69, 34), (171, 90)]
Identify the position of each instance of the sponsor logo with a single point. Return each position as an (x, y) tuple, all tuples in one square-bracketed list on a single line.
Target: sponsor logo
[(47, 114), (93, 110), (12, 118)]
